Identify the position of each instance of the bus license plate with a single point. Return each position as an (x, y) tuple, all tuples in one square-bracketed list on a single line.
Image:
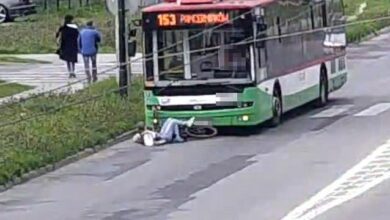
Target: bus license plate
[(203, 122)]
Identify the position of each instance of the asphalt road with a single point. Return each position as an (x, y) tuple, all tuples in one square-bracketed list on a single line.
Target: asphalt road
[(264, 176)]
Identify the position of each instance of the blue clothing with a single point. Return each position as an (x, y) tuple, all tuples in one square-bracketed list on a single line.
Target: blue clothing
[(88, 41), (170, 130)]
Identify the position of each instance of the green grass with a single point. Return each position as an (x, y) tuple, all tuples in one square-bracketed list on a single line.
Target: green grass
[(62, 132), (11, 89), (37, 34), (375, 9), (11, 59)]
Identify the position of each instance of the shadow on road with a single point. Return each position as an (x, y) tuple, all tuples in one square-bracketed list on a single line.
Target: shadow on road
[(287, 117)]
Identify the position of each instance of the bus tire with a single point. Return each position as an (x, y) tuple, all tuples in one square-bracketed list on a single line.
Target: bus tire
[(277, 108), (323, 91)]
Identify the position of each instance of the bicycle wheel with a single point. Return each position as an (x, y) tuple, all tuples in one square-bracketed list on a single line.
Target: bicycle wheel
[(201, 132)]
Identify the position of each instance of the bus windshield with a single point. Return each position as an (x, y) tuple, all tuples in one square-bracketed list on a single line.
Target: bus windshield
[(198, 54)]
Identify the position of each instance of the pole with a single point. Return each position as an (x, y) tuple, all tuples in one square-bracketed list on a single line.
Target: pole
[(128, 29), (122, 41)]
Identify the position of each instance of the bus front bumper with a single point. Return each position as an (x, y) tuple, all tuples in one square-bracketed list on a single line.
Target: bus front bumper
[(226, 117)]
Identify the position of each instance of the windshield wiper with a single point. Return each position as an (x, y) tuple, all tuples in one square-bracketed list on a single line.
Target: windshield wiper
[(226, 84), (170, 84)]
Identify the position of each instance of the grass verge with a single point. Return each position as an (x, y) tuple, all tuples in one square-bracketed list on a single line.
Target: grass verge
[(60, 133), (36, 35), (11, 59), (9, 89), (374, 9)]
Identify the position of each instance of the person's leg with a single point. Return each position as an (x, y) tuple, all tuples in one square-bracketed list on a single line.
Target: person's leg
[(73, 67), (170, 130), (86, 67), (69, 68), (94, 68), (176, 134), (167, 130), (179, 122)]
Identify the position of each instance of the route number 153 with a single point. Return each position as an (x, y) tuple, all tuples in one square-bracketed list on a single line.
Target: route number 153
[(166, 19)]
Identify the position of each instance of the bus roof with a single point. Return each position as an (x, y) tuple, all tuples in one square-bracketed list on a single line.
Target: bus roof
[(198, 5)]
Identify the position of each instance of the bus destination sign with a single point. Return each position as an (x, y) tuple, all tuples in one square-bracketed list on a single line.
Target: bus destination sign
[(178, 19)]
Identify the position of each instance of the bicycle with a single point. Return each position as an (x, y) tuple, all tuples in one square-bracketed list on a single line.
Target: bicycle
[(200, 132), (195, 131)]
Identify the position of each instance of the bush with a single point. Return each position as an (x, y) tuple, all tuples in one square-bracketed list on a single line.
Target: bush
[(62, 132)]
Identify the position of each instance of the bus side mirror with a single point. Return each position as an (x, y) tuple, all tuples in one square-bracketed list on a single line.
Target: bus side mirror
[(132, 33), (336, 37), (132, 48)]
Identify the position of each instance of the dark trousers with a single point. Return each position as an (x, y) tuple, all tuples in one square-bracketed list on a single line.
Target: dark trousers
[(71, 67), (87, 61)]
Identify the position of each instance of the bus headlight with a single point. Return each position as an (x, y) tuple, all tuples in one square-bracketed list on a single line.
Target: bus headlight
[(245, 118), (244, 104)]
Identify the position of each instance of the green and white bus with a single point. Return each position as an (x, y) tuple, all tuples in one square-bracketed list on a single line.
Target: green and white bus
[(241, 62)]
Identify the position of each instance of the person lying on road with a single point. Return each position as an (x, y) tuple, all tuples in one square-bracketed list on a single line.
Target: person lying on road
[(169, 133)]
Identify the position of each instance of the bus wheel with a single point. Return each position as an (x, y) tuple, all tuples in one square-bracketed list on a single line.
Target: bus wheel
[(324, 94), (277, 108), (4, 16)]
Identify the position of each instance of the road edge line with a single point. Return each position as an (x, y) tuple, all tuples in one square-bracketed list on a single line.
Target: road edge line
[(309, 209)]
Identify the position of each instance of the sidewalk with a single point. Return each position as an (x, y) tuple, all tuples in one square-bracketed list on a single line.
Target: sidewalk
[(45, 77), (53, 58)]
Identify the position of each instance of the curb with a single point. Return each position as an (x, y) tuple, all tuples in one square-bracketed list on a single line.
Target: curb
[(378, 33), (69, 160)]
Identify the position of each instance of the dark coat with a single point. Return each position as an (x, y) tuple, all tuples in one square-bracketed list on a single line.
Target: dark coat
[(69, 35)]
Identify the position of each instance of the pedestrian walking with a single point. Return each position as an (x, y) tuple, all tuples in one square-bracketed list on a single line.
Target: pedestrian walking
[(89, 41), (67, 36)]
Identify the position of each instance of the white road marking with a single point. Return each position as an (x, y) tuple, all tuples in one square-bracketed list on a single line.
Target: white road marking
[(374, 110), (370, 172), (333, 111)]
